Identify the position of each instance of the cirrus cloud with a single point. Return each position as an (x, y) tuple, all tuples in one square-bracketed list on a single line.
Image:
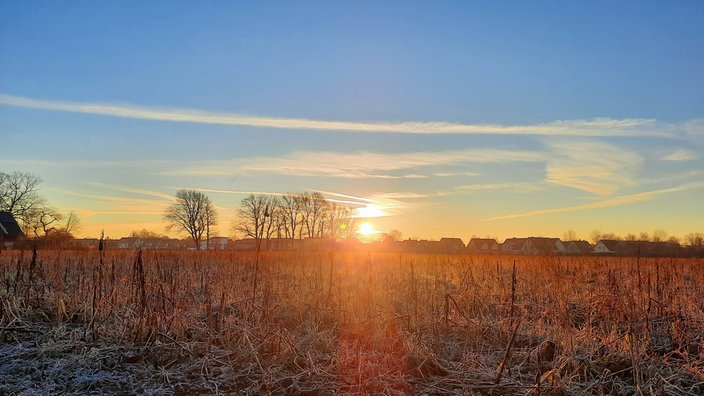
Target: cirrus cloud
[(361, 164), (592, 166), (594, 127)]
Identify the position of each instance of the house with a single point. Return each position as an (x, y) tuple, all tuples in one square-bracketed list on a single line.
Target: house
[(578, 247), (533, 245), (662, 249), (129, 243), (513, 245), (606, 246), (215, 243), (620, 248), (451, 245), (10, 231), (638, 248), (543, 246), (243, 244), (409, 245), (480, 245)]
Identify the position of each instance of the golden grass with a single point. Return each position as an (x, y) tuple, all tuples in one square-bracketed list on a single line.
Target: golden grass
[(355, 323)]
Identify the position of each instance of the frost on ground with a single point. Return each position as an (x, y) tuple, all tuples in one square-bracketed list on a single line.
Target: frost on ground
[(175, 323), (48, 360)]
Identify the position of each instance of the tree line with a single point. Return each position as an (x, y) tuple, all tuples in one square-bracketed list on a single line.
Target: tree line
[(263, 216), (694, 239)]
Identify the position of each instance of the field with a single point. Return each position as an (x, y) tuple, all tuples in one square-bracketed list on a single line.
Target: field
[(161, 322)]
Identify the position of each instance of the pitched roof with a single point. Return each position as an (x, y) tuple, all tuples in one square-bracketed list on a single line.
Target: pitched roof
[(452, 241), (477, 240), (482, 243), (9, 226), (610, 244), (543, 244), (579, 246)]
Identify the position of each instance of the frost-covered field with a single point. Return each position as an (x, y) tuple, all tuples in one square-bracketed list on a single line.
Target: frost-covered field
[(208, 323)]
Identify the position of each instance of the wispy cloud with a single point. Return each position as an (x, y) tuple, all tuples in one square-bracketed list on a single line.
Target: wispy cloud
[(616, 201), (499, 186), (108, 198), (356, 201), (90, 213), (410, 195), (450, 174), (596, 167), (110, 204), (595, 127), (234, 192), (346, 197), (681, 155), (138, 191), (361, 164)]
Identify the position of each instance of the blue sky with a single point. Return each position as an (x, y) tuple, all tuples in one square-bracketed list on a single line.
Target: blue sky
[(457, 118)]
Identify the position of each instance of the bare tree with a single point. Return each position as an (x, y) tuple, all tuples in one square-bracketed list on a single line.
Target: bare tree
[(146, 234), (595, 236), (273, 224), (695, 239), (254, 217), (44, 221), (72, 224), (395, 235), (192, 213), (339, 218), (313, 207), (659, 235), (291, 214), (210, 220), (569, 235), (19, 195)]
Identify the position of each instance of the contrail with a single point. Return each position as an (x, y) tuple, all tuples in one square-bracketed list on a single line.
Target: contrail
[(595, 127)]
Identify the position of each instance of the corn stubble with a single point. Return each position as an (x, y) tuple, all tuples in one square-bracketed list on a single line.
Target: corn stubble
[(357, 323)]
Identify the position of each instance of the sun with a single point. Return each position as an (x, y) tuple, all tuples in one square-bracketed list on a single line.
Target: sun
[(366, 229)]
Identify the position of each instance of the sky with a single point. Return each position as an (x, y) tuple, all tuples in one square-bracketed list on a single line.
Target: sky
[(442, 118)]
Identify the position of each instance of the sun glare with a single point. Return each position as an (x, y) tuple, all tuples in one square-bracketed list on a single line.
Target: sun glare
[(366, 229), (369, 210)]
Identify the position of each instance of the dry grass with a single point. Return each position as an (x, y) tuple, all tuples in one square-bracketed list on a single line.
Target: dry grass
[(355, 323)]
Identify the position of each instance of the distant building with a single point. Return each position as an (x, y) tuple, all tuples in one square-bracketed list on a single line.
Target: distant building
[(606, 246), (513, 245), (543, 246), (451, 245), (215, 243), (10, 231), (129, 243), (533, 246), (578, 247), (479, 245), (638, 248), (242, 244)]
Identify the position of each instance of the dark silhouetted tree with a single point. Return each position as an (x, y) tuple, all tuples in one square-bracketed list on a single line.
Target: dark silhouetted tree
[(19, 195), (192, 213)]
